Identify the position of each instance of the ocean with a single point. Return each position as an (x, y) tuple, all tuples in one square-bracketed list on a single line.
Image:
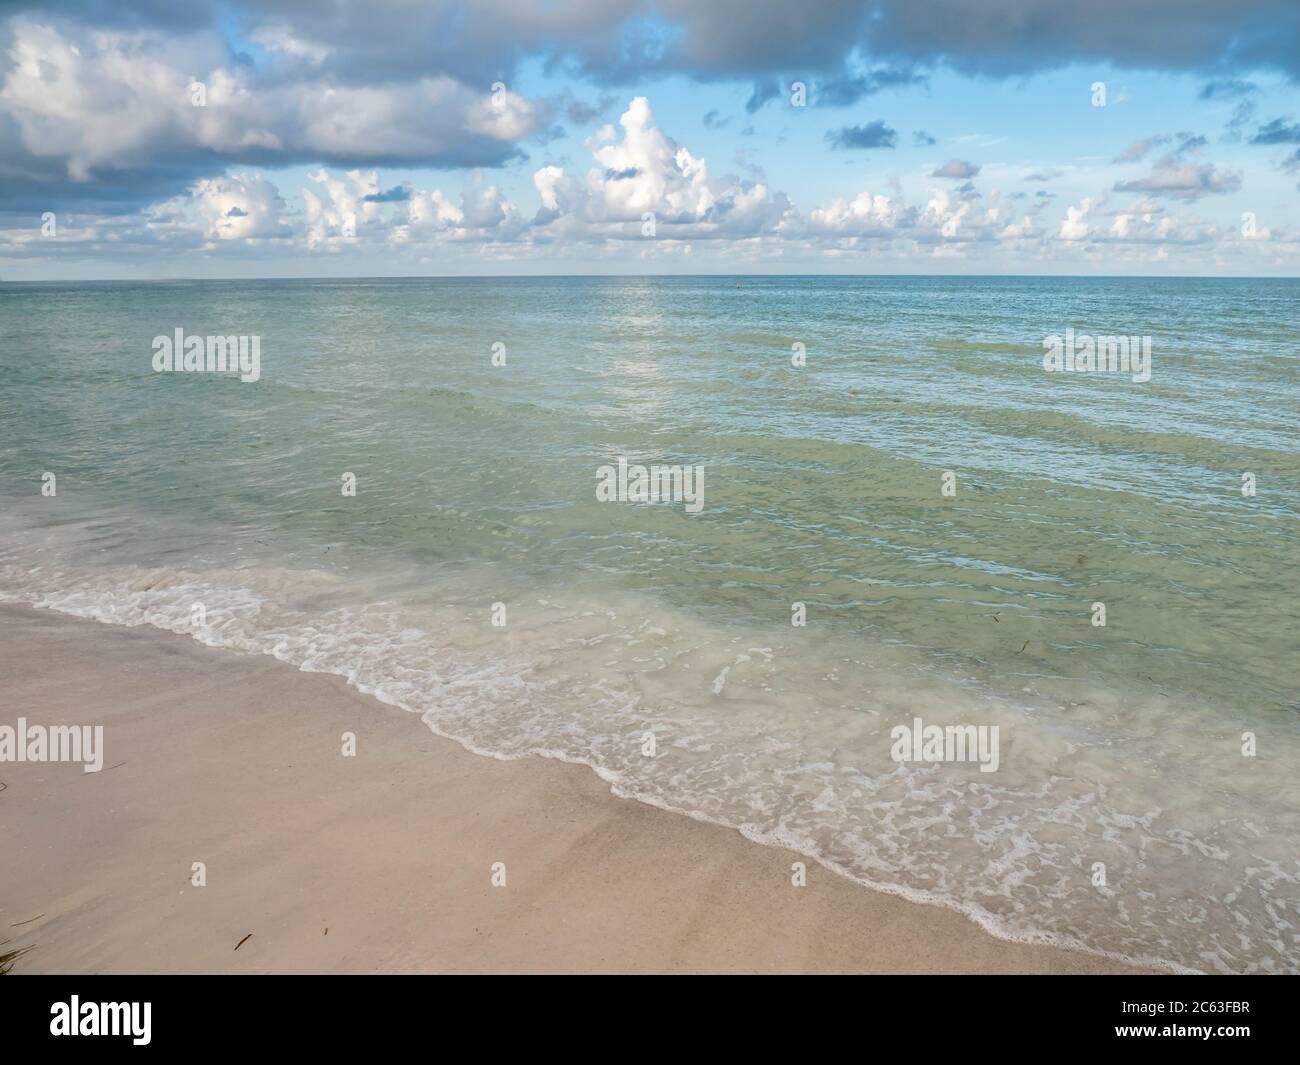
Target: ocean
[(904, 520)]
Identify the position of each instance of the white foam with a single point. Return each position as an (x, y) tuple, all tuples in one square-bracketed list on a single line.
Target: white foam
[(787, 756)]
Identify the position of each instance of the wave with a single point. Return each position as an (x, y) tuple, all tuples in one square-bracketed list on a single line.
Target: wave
[(786, 744)]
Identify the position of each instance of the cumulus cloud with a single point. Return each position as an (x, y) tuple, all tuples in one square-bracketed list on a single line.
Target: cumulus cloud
[(865, 215), (482, 214), (957, 169), (647, 172), (96, 111), (950, 219), (138, 109), (1183, 180), (1156, 228), (1075, 225), (341, 206), (240, 207), (636, 170)]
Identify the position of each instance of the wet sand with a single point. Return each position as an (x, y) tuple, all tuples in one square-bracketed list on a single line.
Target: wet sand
[(383, 862)]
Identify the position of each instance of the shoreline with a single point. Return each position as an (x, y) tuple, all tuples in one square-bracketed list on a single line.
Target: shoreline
[(383, 862)]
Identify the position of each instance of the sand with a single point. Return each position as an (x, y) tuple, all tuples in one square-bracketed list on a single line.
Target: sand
[(383, 862)]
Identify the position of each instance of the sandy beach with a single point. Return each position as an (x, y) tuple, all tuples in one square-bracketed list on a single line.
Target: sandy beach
[(383, 862)]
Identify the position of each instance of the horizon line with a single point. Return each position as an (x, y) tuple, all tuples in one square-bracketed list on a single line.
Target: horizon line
[(535, 277)]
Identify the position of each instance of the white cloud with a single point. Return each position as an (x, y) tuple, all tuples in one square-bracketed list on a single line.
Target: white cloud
[(1183, 180), (864, 215), (1075, 226), (101, 101), (638, 168), (240, 207), (647, 172), (339, 211)]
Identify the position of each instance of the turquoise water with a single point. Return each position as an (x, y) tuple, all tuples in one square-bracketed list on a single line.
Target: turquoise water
[(476, 485)]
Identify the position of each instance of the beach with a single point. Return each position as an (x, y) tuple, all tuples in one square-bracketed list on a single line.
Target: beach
[(613, 488), (956, 629), (382, 862)]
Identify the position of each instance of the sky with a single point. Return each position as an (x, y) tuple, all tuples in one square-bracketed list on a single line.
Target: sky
[(332, 138)]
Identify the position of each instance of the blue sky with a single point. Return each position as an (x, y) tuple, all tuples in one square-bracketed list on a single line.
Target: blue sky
[(440, 138)]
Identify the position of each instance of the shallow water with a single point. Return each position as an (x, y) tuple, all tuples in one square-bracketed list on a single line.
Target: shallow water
[(476, 485)]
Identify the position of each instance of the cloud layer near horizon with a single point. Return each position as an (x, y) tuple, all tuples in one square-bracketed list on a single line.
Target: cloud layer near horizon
[(99, 123), (642, 189)]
